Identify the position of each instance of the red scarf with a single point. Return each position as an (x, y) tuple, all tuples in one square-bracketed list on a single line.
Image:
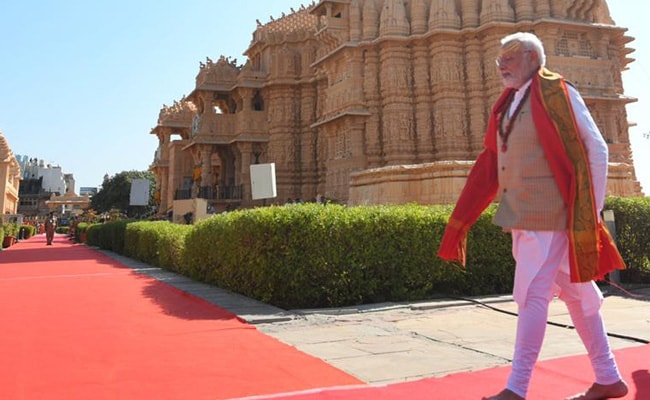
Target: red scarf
[(592, 252)]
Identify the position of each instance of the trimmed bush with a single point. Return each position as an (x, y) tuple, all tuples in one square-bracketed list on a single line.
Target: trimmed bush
[(320, 256), (107, 236), (313, 255), (158, 243), (29, 231), (632, 219)]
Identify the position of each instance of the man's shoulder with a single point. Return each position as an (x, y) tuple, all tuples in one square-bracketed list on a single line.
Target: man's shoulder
[(549, 75)]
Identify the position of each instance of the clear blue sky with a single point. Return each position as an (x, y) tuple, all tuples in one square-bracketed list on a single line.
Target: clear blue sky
[(82, 82)]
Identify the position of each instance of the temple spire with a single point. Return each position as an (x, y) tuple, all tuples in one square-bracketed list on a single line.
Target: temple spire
[(393, 19), (443, 15), (419, 17), (370, 20)]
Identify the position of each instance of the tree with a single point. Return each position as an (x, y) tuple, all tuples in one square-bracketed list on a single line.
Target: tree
[(115, 194)]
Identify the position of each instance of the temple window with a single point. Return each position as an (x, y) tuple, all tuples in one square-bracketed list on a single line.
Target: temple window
[(342, 145), (258, 101), (574, 44)]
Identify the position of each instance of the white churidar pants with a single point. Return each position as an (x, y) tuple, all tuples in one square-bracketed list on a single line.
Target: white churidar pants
[(542, 271)]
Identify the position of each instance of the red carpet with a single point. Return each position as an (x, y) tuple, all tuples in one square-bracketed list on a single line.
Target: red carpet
[(76, 324), (552, 380)]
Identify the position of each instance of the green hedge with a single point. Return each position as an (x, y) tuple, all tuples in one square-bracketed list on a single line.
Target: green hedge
[(30, 230), (108, 236), (311, 255), (80, 231), (160, 243), (632, 219), (11, 228)]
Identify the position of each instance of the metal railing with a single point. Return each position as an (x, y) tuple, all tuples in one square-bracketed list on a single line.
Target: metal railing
[(234, 192), (221, 192)]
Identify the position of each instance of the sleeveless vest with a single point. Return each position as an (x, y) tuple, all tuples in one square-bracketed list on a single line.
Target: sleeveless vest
[(528, 194)]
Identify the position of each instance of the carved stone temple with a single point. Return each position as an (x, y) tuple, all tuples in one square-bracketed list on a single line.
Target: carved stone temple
[(378, 101)]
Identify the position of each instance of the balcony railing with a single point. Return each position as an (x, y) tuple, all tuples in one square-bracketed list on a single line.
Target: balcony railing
[(183, 194), (233, 192), (222, 192)]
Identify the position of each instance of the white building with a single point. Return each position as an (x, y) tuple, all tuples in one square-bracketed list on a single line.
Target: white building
[(54, 180)]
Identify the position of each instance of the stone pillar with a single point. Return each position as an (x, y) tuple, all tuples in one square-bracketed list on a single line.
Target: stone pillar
[(397, 110), (356, 63), (243, 164), (247, 99), (282, 149), (206, 154), (371, 90), (164, 191), (370, 18), (422, 94), (310, 162), (477, 106), (164, 135), (490, 45), (207, 107), (449, 107), (162, 169), (355, 21), (356, 142)]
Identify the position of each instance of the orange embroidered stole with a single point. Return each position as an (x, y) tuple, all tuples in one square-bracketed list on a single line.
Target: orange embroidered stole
[(592, 252)]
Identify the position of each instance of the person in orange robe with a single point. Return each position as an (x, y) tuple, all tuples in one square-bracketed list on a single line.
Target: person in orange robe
[(545, 161)]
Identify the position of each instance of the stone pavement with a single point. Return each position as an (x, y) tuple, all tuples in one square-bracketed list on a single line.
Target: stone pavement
[(387, 343)]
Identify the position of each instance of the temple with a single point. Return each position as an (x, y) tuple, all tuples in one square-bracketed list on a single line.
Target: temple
[(9, 179), (378, 101)]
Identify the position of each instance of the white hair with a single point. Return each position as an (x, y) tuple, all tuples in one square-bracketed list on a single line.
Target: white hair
[(529, 41)]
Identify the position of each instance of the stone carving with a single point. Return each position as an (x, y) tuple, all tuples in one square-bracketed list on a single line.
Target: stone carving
[(180, 111), (393, 19), (225, 70), (370, 20), (341, 87), (497, 10), (443, 15), (419, 21)]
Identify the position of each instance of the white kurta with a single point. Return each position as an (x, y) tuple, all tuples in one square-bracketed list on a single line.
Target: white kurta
[(542, 270), (532, 249)]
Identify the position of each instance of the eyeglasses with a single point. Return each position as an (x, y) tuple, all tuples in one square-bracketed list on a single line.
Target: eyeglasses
[(508, 59)]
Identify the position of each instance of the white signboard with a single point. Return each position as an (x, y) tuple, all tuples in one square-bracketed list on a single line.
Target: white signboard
[(139, 195), (263, 181)]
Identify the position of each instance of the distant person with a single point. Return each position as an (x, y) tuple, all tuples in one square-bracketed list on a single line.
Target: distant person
[(50, 227), (546, 159), (188, 216)]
